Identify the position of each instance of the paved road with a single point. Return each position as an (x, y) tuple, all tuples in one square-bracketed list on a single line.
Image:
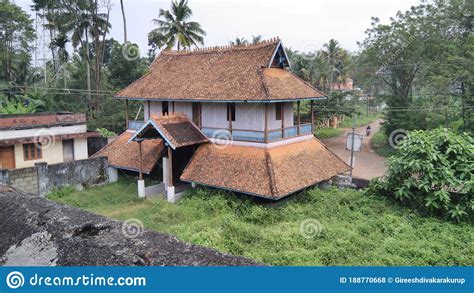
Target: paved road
[(368, 164)]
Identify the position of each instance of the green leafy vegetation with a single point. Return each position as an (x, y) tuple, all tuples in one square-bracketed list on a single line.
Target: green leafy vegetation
[(424, 61), (175, 28), (328, 132), (357, 228), (361, 120), (380, 145), (433, 171), (106, 133)]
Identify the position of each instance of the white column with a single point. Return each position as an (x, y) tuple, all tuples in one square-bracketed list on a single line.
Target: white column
[(141, 188), (165, 172), (113, 174)]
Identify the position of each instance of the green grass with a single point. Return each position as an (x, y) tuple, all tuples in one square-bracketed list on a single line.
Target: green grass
[(328, 132), (380, 144), (360, 120), (357, 229)]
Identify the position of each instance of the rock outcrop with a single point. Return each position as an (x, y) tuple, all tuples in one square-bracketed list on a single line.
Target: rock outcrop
[(37, 231)]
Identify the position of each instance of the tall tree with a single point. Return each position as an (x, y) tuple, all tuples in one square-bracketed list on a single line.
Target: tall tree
[(332, 53), (174, 28), (124, 22), (423, 57), (16, 36)]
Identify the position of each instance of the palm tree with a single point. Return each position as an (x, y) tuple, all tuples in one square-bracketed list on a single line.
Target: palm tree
[(256, 39), (124, 23), (175, 29), (332, 53), (239, 42)]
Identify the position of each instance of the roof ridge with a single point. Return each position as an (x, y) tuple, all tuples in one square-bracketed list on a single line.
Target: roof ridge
[(271, 174), (264, 84), (224, 48)]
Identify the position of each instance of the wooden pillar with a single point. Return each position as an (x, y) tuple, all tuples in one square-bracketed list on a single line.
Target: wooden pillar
[(299, 117), (173, 107), (170, 166), (266, 123), (149, 110), (140, 176), (126, 114), (282, 120), (312, 117), (229, 114), (200, 115)]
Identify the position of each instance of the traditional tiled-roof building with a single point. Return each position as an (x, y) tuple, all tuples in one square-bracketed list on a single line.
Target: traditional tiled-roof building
[(224, 117)]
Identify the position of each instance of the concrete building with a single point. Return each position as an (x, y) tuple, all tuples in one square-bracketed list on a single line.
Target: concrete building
[(26, 139)]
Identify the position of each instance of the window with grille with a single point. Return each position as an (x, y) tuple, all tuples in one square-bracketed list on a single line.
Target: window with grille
[(32, 151)]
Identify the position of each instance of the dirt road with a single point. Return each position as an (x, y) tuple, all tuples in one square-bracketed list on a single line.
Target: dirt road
[(368, 164)]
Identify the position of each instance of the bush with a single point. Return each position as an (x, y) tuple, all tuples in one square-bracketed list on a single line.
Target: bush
[(433, 171), (328, 132), (60, 192), (106, 133), (380, 145)]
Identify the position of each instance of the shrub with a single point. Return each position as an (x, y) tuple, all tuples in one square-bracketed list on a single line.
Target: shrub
[(380, 145), (106, 133), (60, 192), (433, 171), (328, 132)]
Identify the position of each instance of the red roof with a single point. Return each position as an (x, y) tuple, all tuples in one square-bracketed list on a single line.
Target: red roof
[(270, 173), (232, 73), (126, 155)]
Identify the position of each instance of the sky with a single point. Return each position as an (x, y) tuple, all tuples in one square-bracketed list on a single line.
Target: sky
[(304, 25)]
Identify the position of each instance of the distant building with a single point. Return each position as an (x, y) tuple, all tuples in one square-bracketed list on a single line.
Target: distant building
[(26, 139), (346, 85)]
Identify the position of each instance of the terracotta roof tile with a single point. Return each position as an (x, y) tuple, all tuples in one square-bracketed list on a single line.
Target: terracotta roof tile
[(125, 155), (232, 73), (271, 173), (176, 129)]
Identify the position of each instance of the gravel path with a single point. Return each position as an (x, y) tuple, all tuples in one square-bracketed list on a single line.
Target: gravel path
[(368, 164)]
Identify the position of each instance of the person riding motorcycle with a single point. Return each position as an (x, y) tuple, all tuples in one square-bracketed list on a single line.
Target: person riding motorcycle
[(368, 130)]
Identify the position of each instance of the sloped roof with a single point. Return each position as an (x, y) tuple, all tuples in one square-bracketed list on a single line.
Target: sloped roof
[(232, 73), (270, 173), (176, 129), (126, 155)]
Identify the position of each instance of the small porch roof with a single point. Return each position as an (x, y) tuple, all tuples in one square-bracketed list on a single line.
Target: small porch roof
[(124, 155), (175, 129)]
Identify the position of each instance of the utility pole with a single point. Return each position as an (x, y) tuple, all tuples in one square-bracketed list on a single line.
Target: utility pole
[(353, 131), (352, 144)]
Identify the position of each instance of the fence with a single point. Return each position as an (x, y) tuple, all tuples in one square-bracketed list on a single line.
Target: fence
[(41, 178)]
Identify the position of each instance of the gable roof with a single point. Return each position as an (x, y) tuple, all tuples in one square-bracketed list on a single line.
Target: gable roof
[(270, 173), (222, 74), (125, 155), (176, 129)]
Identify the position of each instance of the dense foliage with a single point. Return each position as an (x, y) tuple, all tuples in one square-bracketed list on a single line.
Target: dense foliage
[(422, 62), (16, 36), (433, 171), (357, 228)]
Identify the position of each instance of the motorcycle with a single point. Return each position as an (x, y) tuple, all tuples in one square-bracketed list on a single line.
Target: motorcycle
[(367, 131)]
